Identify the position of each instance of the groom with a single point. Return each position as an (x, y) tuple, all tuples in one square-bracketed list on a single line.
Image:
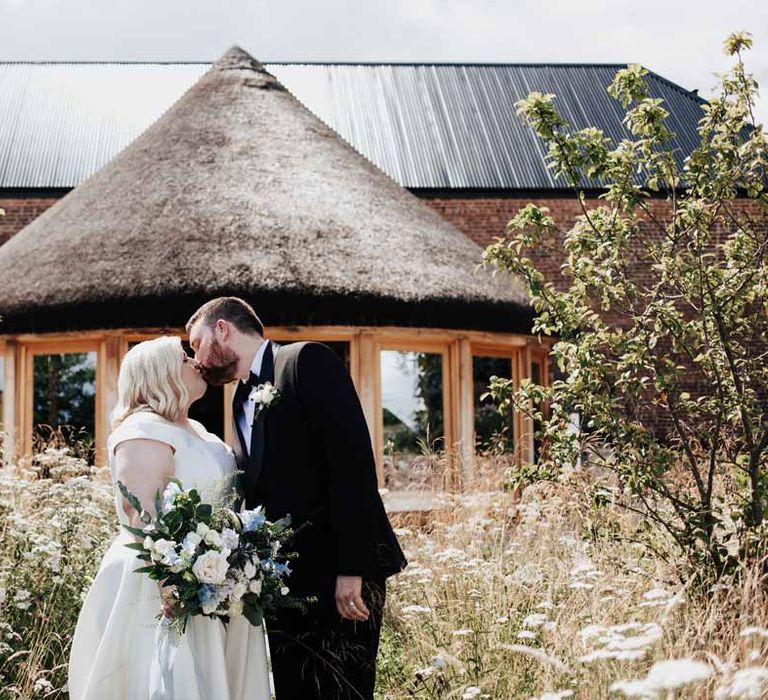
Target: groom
[(308, 455)]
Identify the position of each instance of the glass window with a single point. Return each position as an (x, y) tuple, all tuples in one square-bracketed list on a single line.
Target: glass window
[(492, 430), (64, 400), (412, 408)]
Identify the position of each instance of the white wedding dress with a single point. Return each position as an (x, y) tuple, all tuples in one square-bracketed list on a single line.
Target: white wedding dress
[(120, 651)]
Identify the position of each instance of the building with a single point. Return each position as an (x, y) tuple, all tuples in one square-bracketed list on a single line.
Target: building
[(227, 161)]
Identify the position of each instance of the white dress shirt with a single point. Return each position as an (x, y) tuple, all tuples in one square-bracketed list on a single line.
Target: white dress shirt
[(245, 417)]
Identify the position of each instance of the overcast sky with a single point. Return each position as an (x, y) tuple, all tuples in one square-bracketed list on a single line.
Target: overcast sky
[(680, 39)]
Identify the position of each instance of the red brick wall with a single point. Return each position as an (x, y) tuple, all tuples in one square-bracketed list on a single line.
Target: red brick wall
[(484, 219), (19, 212)]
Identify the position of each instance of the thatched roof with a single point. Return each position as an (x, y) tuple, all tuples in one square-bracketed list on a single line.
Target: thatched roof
[(238, 189)]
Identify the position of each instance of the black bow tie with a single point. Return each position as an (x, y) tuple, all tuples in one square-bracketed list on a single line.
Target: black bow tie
[(244, 388)]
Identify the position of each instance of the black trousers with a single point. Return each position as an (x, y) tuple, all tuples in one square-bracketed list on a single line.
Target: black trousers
[(320, 655)]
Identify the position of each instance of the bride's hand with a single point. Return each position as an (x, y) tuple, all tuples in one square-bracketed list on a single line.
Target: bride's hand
[(167, 607)]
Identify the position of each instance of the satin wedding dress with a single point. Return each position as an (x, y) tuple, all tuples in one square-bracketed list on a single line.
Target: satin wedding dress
[(120, 651)]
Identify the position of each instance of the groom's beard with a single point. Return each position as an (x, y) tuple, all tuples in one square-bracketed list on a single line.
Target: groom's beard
[(221, 367)]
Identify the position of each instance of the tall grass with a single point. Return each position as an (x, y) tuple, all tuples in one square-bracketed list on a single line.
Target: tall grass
[(544, 595), (508, 595)]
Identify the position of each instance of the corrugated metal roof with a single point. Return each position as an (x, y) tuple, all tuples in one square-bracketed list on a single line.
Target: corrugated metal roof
[(442, 126)]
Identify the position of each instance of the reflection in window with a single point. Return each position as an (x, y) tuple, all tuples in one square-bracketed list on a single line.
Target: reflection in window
[(492, 430), (64, 400), (412, 406)]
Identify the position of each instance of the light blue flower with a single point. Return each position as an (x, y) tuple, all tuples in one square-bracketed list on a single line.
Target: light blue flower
[(282, 569), (171, 491), (210, 598), (253, 519)]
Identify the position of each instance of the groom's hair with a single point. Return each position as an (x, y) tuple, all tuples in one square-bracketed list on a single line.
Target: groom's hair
[(238, 312)]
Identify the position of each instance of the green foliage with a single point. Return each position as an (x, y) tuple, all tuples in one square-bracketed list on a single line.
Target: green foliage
[(663, 319), (53, 534)]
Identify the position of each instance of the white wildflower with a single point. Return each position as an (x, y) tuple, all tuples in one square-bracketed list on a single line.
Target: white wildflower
[(472, 692), (415, 610), (675, 673), (655, 594), (438, 661), (535, 620), (664, 675), (754, 631), (526, 634), (43, 686), (749, 683), (634, 689), (22, 599)]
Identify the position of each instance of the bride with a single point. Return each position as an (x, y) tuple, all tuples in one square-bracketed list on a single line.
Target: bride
[(120, 650)]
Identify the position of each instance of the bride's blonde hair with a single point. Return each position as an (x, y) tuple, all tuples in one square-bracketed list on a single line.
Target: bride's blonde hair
[(150, 380)]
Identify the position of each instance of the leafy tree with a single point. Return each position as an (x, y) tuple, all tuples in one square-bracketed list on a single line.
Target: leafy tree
[(659, 319)]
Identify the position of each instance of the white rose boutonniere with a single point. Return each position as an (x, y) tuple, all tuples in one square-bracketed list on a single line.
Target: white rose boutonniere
[(264, 396)]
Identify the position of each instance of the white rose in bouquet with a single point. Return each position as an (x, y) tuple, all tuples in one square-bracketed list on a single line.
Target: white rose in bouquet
[(212, 538), (239, 591), (211, 567), (160, 547), (250, 569), (255, 586), (190, 543), (230, 538)]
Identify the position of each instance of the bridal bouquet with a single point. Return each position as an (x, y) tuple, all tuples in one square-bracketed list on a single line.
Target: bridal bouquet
[(219, 563)]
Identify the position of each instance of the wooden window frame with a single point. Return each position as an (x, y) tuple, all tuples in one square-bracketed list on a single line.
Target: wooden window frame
[(27, 351), (432, 346), (365, 345)]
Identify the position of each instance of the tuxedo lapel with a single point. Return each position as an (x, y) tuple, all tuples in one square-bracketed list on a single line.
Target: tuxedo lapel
[(241, 454), (259, 429)]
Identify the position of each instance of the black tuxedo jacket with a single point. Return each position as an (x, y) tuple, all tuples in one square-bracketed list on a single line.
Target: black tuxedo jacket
[(312, 459)]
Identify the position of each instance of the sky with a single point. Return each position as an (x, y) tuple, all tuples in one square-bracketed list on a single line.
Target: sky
[(679, 39)]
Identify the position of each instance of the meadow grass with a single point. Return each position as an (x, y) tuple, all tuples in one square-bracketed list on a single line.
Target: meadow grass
[(509, 594)]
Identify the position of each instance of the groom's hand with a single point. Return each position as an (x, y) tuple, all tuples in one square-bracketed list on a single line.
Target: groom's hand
[(349, 598)]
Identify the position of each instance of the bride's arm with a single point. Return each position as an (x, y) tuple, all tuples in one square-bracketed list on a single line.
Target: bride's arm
[(144, 466)]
